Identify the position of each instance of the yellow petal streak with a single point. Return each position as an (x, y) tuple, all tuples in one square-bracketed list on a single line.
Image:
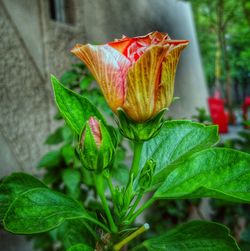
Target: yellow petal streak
[(109, 67), (142, 81), (165, 91)]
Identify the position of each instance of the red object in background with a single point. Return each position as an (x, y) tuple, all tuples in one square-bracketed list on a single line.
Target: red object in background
[(217, 112), (245, 106)]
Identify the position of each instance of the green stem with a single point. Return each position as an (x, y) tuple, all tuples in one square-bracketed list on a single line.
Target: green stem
[(138, 199), (136, 160), (100, 191), (140, 210), (139, 231), (90, 229), (98, 223), (111, 187)]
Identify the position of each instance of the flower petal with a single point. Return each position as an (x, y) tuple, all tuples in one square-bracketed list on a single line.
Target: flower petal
[(121, 45), (109, 68), (142, 79), (96, 131), (165, 90), (128, 46)]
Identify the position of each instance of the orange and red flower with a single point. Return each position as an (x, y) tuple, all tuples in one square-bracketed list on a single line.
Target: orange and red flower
[(136, 74)]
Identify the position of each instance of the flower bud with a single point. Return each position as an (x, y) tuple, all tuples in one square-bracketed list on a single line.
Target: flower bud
[(96, 148), (146, 175)]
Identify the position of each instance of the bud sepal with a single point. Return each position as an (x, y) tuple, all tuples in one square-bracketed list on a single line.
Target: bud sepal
[(139, 132), (146, 175)]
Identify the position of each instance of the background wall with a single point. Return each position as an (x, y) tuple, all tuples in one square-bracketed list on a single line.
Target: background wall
[(33, 46)]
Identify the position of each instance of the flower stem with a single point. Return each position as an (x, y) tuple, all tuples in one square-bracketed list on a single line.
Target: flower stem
[(139, 231), (100, 191), (138, 199), (98, 223), (90, 229), (136, 160), (111, 187), (140, 210)]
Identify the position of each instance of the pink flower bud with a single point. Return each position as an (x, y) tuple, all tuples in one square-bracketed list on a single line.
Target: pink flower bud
[(95, 130)]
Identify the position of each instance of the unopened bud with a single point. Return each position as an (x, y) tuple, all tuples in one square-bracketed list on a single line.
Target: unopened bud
[(146, 175), (96, 148)]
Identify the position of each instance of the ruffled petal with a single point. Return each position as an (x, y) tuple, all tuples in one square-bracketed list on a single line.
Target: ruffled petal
[(109, 67), (142, 80), (121, 45), (165, 90)]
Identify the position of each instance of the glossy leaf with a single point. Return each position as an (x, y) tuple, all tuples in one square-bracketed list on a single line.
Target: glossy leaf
[(217, 172), (75, 109), (73, 232), (176, 140), (40, 210), (80, 247), (14, 185), (196, 236)]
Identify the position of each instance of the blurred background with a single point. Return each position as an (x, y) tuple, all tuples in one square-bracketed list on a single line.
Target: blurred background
[(212, 81)]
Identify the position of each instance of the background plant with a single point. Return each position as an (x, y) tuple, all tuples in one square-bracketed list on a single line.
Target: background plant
[(223, 32)]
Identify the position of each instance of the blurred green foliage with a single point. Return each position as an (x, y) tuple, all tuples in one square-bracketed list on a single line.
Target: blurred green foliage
[(229, 20), (202, 116)]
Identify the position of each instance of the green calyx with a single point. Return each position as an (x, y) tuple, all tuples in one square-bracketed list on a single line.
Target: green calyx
[(93, 156), (139, 132)]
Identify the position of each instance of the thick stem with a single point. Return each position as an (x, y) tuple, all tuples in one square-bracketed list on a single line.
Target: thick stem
[(100, 191), (140, 210), (139, 231), (136, 160)]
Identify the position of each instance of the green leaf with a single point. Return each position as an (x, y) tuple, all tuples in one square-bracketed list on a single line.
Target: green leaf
[(176, 140), (86, 81), (55, 138), (80, 247), (72, 179), (14, 185), (67, 134), (73, 232), (69, 77), (217, 172), (51, 159), (75, 109), (196, 236), (40, 210), (68, 154)]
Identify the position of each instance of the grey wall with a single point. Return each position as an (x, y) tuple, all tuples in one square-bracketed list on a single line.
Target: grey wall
[(32, 46)]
